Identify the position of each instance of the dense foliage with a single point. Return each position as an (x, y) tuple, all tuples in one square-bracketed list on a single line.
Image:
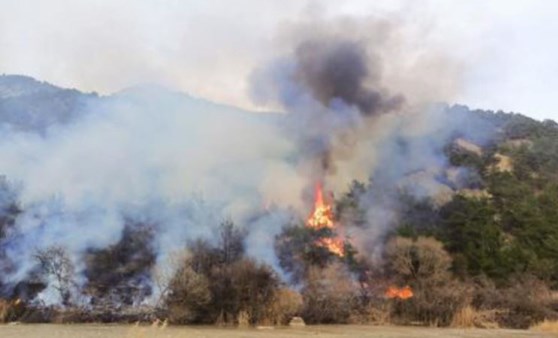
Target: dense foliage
[(510, 226)]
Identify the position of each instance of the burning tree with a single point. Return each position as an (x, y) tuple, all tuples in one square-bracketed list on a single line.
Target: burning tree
[(322, 218), (316, 243)]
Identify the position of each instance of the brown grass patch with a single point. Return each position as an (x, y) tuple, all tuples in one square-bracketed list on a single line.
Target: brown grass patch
[(469, 146), (4, 310), (469, 317), (144, 331), (284, 306), (546, 326), (10, 310), (243, 319), (504, 163), (374, 314)]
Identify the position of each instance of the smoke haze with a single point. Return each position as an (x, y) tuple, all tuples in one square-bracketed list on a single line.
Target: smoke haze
[(182, 164), (104, 45)]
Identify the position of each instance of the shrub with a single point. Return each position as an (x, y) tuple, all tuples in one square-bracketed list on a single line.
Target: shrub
[(329, 295), (120, 273), (188, 295), (376, 313), (253, 287), (11, 310), (217, 284), (434, 306), (286, 303), (546, 326), (243, 318), (469, 317), (422, 260), (525, 302), (424, 264)]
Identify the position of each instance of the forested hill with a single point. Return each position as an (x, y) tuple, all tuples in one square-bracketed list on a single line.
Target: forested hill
[(30, 105), (504, 221)]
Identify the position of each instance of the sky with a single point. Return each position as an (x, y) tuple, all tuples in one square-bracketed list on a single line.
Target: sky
[(505, 50)]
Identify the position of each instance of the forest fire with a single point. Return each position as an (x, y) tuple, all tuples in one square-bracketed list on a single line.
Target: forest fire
[(334, 245), (399, 293), (322, 217), (322, 214)]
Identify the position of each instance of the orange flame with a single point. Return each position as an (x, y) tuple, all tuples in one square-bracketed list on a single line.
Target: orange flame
[(400, 293), (334, 245), (322, 215)]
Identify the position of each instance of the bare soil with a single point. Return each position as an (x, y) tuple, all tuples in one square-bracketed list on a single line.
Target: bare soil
[(130, 331)]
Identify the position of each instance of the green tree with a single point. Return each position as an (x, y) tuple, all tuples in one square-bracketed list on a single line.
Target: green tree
[(471, 232)]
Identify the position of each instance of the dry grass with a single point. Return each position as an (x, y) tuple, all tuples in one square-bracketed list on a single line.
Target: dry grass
[(378, 314), (286, 303), (469, 146), (546, 326), (139, 331), (464, 318), (326, 331), (504, 163), (469, 317), (4, 310), (381, 315), (243, 319), (7, 309)]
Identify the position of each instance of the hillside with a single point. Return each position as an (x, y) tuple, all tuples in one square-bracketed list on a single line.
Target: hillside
[(99, 194), (30, 105), (509, 226)]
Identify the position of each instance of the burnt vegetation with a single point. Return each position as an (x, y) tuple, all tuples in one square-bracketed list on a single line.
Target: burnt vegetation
[(490, 251), (118, 274)]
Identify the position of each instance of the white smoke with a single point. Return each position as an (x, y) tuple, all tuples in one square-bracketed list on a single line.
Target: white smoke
[(185, 164), (181, 163)]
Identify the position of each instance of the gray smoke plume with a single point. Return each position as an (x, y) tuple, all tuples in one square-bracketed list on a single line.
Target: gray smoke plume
[(331, 86), (336, 69), (349, 125)]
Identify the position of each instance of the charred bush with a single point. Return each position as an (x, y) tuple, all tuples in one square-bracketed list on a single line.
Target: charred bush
[(57, 269), (120, 273)]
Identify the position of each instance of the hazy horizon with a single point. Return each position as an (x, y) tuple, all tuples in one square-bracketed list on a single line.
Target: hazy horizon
[(496, 55)]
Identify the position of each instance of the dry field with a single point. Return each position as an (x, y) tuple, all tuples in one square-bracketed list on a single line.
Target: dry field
[(109, 331)]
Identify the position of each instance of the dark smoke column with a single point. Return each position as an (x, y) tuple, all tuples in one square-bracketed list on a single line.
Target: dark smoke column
[(329, 87), (332, 70)]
